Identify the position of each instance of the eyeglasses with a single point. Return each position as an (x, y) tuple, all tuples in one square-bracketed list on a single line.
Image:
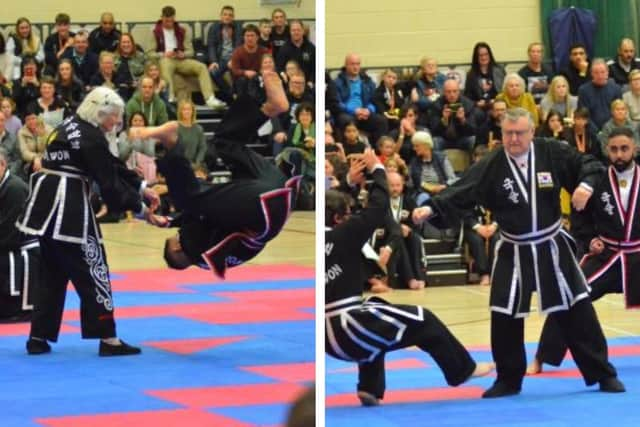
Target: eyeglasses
[(518, 133)]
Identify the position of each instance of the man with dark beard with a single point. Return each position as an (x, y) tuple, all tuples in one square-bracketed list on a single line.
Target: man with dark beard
[(611, 225)]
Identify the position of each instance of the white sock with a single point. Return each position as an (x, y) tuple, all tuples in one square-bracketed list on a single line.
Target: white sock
[(37, 339), (112, 341)]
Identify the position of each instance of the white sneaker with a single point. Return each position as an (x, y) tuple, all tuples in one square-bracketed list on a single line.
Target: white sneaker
[(215, 104)]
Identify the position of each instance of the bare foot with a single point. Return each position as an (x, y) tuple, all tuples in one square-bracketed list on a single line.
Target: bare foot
[(167, 134), (378, 286), (368, 399), (102, 212), (276, 98), (416, 284), (534, 367), (483, 368), (485, 280)]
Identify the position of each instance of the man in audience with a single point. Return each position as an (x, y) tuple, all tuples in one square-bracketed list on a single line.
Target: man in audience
[(598, 94), (19, 255), (355, 93), (223, 37), (299, 49), (85, 62), (297, 92), (536, 74), (626, 61), (105, 37), (174, 48), (265, 34), (148, 102), (245, 60), (279, 30), (57, 42), (577, 71), (453, 123), (490, 132)]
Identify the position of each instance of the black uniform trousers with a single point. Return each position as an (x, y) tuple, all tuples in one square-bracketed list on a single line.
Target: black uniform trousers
[(430, 335), (578, 326), (20, 273), (86, 267), (552, 346)]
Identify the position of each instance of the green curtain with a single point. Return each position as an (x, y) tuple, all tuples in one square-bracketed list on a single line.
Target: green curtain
[(616, 19)]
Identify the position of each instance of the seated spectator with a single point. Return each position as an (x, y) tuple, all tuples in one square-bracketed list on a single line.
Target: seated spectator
[(222, 38), (32, 139), (405, 131), (85, 62), (58, 42), (578, 69), (19, 255), (386, 150), (632, 96), (454, 120), (619, 119), (191, 135), (23, 42), (291, 67), (279, 30), (514, 95), (429, 87), (129, 66), (552, 127), (160, 85), (245, 59), (388, 98), (300, 49), (395, 164), (598, 94), (255, 85), (9, 143), (174, 48), (105, 36), (297, 93), (303, 134), (355, 92), (69, 88), (581, 136), (480, 232), (6, 64), (137, 153), (431, 172), (352, 143), (535, 73), (146, 101), (12, 124), (48, 107), (26, 89), (265, 34), (485, 77), (624, 63), (106, 75), (558, 99), (490, 132)]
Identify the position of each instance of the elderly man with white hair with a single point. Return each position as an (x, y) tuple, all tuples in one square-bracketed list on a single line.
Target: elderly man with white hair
[(59, 213)]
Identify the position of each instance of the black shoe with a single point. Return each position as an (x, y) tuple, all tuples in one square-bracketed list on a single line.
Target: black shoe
[(612, 385), (38, 346), (499, 389), (123, 349)]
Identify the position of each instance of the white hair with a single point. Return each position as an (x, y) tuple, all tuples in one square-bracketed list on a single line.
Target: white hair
[(99, 103)]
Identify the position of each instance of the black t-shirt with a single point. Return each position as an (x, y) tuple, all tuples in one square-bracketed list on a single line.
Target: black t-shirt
[(536, 82)]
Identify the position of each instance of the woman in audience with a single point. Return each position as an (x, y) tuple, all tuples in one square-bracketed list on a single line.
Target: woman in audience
[(514, 95), (619, 118), (69, 88), (129, 150), (192, 135), (26, 89), (388, 99), (129, 65), (632, 96), (106, 75), (47, 105), (429, 82), (23, 42), (552, 126), (12, 124), (6, 64), (558, 99), (408, 126), (151, 69), (582, 136), (485, 77), (32, 138)]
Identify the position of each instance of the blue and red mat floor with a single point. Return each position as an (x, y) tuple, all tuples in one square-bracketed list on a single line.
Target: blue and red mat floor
[(417, 395), (232, 353)]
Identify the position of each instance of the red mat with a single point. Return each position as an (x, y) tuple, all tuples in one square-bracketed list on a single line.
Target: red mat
[(194, 345), (409, 396)]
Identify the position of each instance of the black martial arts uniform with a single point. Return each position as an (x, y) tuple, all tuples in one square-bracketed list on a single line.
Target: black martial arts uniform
[(613, 216), (19, 254), (534, 253), (364, 331), (59, 213), (224, 225)]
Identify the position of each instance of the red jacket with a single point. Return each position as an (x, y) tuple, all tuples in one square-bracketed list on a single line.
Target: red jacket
[(159, 35)]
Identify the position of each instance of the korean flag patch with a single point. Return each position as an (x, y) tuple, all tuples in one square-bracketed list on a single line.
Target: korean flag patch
[(545, 180)]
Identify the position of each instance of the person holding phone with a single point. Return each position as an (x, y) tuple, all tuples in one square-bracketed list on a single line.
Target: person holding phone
[(454, 123)]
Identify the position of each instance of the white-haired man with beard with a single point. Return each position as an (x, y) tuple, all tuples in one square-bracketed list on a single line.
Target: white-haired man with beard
[(59, 213)]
